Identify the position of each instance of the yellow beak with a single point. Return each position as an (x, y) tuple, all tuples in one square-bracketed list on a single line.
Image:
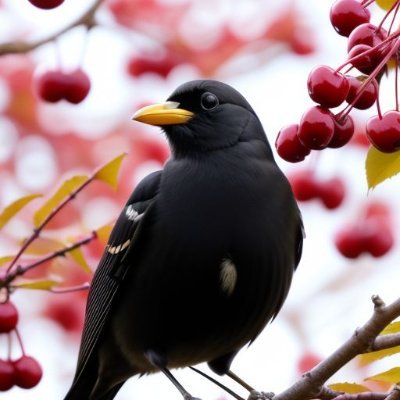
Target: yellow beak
[(166, 113)]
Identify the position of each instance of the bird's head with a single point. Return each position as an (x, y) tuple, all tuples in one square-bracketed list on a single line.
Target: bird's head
[(204, 115)]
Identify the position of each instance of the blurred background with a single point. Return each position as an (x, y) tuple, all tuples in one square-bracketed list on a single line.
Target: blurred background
[(138, 52)]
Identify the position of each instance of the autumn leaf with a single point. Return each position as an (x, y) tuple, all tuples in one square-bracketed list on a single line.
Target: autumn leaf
[(109, 172), (42, 246), (394, 327), (390, 376), (68, 187), (385, 4), (348, 387), (377, 355), (79, 258), (40, 284), (5, 259), (381, 166), (103, 233), (15, 207)]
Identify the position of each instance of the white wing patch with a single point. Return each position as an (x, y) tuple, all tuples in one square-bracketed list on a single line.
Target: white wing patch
[(131, 213), (228, 276), (117, 249)]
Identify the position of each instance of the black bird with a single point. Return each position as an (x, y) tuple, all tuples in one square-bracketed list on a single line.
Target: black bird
[(201, 257)]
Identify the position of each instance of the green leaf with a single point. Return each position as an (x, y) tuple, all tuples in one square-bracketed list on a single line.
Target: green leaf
[(381, 166), (79, 258), (390, 376), (40, 284), (348, 387), (377, 355), (15, 207), (66, 189), (109, 172)]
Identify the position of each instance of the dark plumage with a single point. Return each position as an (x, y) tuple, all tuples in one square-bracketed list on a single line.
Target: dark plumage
[(202, 255)]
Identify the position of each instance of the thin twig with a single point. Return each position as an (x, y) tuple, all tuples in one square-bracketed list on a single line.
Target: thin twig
[(311, 384), (22, 47)]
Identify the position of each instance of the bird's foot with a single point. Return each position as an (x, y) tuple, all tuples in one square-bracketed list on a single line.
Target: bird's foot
[(255, 395), (189, 397)]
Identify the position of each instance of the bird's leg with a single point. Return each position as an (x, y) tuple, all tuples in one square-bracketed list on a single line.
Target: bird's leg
[(239, 380), (159, 361), (254, 394), (231, 392)]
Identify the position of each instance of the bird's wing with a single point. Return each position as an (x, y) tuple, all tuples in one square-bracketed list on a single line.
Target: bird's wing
[(111, 270)]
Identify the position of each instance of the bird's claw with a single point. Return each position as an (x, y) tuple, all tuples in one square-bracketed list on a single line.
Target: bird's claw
[(255, 395)]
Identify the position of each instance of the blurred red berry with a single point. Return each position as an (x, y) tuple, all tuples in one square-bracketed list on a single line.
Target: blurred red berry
[(7, 375), (8, 317), (307, 362), (28, 372), (46, 4), (332, 192)]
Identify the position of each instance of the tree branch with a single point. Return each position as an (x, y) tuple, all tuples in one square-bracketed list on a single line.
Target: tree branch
[(310, 386), (22, 47)]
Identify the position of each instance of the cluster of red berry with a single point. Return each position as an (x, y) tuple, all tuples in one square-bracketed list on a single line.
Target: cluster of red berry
[(307, 186), (53, 86), (25, 371), (371, 233), (370, 48)]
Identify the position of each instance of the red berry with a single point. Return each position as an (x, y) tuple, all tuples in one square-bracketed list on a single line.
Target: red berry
[(139, 65), (307, 362), (7, 375), (288, 144), (349, 241), (365, 63), (327, 86), (316, 128), (378, 237), (54, 86), (304, 185), (367, 34), (345, 15), (369, 93), (332, 192), (46, 4), (28, 372), (384, 133), (344, 130), (378, 209), (8, 317)]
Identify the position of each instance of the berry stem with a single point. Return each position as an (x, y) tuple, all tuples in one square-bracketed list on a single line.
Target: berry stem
[(388, 12), (22, 270), (373, 75), (9, 346), (21, 344), (378, 105), (396, 83), (367, 3), (37, 231), (71, 289), (394, 17)]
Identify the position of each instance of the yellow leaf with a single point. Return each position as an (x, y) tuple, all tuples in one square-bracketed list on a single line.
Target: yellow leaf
[(63, 191), (377, 355), (42, 246), (381, 166), (109, 172), (41, 284), (79, 258), (348, 387), (14, 207), (394, 327), (390, 376), (103, 233), (385, 4), (5, 260)]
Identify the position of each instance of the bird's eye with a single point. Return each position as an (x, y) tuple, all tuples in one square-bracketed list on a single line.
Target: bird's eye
[(209, 101)]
